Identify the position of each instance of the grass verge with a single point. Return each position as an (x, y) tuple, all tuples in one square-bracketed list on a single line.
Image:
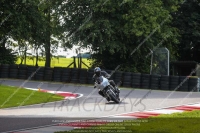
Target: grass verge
[(60, 62), (24, 97), (186, 122)]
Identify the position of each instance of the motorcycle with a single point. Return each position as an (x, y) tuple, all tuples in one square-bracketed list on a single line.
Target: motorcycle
[(103, 84)]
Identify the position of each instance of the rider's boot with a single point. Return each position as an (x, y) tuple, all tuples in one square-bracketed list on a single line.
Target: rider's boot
[(117, 89)]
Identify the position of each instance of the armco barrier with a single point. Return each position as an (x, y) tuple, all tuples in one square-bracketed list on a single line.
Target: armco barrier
[(84, 76)]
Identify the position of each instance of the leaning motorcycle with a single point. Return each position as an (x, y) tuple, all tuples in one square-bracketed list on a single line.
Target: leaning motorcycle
[(103, 84)]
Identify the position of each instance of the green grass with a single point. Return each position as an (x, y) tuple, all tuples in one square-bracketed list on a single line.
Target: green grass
[(24, 97), (186, 122), (62, 62)]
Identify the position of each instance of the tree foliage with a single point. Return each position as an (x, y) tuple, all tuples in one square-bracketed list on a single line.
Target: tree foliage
[(187, 20), (115, 29), (118, 32), (33, 21)]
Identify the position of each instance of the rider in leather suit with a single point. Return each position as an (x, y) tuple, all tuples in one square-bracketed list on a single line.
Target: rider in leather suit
[(97, 73)]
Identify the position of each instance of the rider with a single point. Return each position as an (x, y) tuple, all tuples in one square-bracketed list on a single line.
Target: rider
[(97, 73)]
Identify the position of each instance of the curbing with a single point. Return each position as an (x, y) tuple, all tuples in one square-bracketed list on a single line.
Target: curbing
[(130, 115)]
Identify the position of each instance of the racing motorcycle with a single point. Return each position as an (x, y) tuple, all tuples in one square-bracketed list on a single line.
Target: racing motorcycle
[(103, 84)]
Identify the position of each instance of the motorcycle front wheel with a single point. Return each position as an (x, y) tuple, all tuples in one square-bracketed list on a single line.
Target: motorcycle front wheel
[(113, 97)]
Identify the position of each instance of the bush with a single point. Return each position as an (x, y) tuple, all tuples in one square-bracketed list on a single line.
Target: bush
[(6, 56)]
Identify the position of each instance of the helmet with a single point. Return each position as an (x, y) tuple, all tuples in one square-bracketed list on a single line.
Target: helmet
[(97, 71)]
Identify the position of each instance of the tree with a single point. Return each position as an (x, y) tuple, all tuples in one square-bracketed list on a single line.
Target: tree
[(21, 21), (9, 12), (32, 21), (187, 20), (115, 28), (54, 30), (7, 56)]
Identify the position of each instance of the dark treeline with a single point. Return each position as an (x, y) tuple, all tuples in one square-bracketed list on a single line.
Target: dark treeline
[(118, 33)]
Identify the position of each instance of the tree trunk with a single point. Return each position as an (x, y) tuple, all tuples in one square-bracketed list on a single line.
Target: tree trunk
[(25, 55), (33, 61), (36, 62), (48, 54), (48, 44), (22, 59), (4, 43)]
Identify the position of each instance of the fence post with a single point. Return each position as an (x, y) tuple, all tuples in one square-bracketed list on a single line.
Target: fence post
[(78, 65), (80, 62), (74, 62)]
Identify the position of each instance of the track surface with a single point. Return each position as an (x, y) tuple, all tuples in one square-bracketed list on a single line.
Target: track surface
[(91, 105)]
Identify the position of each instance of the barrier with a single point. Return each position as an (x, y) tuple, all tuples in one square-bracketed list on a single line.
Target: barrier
[(22, 71), (136, 80), (4, 71), (13, 71), (145, 81), (84, 76), (127, 78), (39, 75), (75, 75), (57, 74), (164, 82), (198, 85), (66, 75), (90, 73), (155, 82)]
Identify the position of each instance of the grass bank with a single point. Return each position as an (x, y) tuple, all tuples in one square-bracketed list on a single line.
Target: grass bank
[(13, 97), (186, 122)]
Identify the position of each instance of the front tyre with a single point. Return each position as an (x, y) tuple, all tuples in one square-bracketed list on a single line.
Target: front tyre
[(114, 98)]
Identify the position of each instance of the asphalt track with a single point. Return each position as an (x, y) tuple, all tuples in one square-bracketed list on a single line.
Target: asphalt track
[(89, 106)]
